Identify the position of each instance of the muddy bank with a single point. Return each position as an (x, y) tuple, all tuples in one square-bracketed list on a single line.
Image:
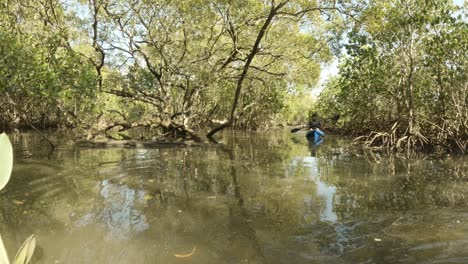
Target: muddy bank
[(109, 143)]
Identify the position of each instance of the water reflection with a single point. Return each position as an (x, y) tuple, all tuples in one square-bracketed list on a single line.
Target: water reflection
[(314, 139), (118, 213), (251, 199), (325, 191)]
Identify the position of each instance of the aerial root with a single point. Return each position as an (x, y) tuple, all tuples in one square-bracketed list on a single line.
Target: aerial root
[(392, 142)]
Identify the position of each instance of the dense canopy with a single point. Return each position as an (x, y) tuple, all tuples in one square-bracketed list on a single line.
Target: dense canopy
[(175, 67)]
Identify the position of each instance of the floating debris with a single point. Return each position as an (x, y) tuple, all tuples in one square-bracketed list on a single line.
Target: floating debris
[(186, 255)]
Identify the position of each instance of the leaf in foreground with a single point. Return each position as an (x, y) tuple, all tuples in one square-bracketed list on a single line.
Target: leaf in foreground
[(3, 253), (26, 251), (6, 160)]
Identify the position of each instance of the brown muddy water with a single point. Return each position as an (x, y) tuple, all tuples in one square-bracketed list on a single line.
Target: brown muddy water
[(254, 198)]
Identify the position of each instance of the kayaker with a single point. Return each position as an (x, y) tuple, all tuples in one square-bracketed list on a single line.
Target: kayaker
[(315, 135)]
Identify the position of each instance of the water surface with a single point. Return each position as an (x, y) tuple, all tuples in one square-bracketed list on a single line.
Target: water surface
[(254, 198)]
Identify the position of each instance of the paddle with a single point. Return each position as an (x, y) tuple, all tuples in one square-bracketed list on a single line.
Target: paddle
[(294, 130)]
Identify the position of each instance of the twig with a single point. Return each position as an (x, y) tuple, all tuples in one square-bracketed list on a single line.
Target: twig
[(43, 135)]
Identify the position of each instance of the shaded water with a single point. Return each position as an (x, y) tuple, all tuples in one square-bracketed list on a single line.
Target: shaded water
[(256, 198)]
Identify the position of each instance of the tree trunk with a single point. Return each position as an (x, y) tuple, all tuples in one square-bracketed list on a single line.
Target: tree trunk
[(250, 57)]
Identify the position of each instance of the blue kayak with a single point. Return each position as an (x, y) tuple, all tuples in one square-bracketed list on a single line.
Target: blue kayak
[(315, 135)]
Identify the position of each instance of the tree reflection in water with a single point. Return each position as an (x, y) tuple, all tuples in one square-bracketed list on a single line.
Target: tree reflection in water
[(250, 199), (118, 211)]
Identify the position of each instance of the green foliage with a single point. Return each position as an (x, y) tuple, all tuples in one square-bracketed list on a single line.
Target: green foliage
[(183, 61), (330, 103), (405, 63), (45, 82), (297, 110), (167, 61)]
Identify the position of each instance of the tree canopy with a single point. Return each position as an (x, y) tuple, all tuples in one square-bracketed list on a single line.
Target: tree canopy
[(176, 67), (178, 64), (404, 76)]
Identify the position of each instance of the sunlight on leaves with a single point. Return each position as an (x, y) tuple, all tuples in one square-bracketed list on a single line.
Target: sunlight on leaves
[(6, 160)]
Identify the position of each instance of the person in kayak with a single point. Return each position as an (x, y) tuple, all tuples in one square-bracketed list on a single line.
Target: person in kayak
[(315, 135)]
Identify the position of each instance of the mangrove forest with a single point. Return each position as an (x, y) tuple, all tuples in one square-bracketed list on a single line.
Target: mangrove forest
[(233, 131), (188, 69)]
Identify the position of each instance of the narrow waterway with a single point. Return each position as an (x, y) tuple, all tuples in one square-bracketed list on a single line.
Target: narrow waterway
[(254, 198)]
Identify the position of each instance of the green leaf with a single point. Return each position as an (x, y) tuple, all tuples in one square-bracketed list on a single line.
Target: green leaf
[(26, 251), (6, 160)]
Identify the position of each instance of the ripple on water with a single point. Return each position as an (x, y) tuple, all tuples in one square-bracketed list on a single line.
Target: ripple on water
[(255, 199)]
